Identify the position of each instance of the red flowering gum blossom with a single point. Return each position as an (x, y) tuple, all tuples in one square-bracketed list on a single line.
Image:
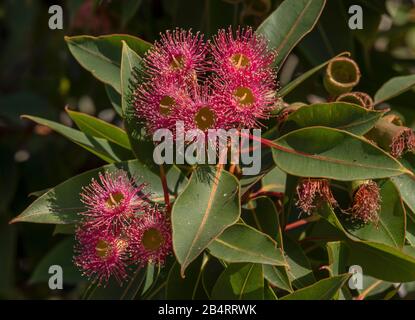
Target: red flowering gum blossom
[(151, 239), (366, 202), (157, 103), (179, 54), (245, 99), (113, 201), (100, 255), (244, 54), (312, 192)]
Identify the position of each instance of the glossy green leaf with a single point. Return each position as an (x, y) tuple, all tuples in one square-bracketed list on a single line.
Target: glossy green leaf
[(115, 99), (392, 220), (325, 289), (298, 81), (394, 87), (340, 115), (98, 128), (102, 148), (406, 186), (61, 204), (242, 243), (299, 271), (289, 23), (381, 261), (262, 215), (60, 255), (218, 207), (278, 277), (102, 55), (332, 153), (240, 282), (269, 294)]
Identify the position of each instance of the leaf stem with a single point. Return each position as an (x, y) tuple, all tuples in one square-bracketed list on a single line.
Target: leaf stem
[(301, 222)]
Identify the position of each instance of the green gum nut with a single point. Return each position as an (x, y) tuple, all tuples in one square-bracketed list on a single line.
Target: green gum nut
[(360, 98), (342, 75)]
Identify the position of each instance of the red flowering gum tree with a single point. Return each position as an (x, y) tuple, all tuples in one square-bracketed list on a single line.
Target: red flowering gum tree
[(336, 182)]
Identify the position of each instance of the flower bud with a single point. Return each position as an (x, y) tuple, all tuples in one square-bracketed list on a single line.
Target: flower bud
[(360, 98), (395, 139), (342, 75)]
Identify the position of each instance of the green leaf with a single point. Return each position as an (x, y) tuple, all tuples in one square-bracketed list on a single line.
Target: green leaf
[(102, 148), (278, 277), (337, 253), (115, 99), (299, 271), (262, 215), (392, 220), (298, 81), (240, 282), (340, 115), (98, 128), (406, 186), (381, 261), (325, 289), (289, 23), (102, 55), (60, 255), (61, 204), (334, 154), (274, 180), (269, 294), (394, 87), (209, 204), (189, 288), (142, 146), (242, 243)]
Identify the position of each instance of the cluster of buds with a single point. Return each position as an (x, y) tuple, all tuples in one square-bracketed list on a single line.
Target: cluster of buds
[(221, 84), (120, 228)]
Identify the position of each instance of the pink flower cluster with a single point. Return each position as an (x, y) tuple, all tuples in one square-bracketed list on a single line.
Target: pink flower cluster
[(120, 228), (221, 84)]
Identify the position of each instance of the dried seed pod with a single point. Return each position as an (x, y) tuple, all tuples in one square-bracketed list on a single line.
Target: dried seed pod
[(397, 140), (366, 201), (360, 98), (311, 193), (342, 75)]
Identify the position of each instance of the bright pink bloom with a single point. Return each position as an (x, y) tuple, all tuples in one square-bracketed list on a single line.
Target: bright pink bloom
[(151, 239), (113, 201), (203, 112), (179, 54), (245, 99), (157, 103), (100, 255), (244, 54)]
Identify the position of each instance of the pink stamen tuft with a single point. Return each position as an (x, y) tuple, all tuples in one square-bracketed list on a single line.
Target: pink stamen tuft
[(311, 192)]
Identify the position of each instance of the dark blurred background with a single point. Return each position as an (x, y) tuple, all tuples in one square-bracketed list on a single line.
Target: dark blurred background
[(38, 76)]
